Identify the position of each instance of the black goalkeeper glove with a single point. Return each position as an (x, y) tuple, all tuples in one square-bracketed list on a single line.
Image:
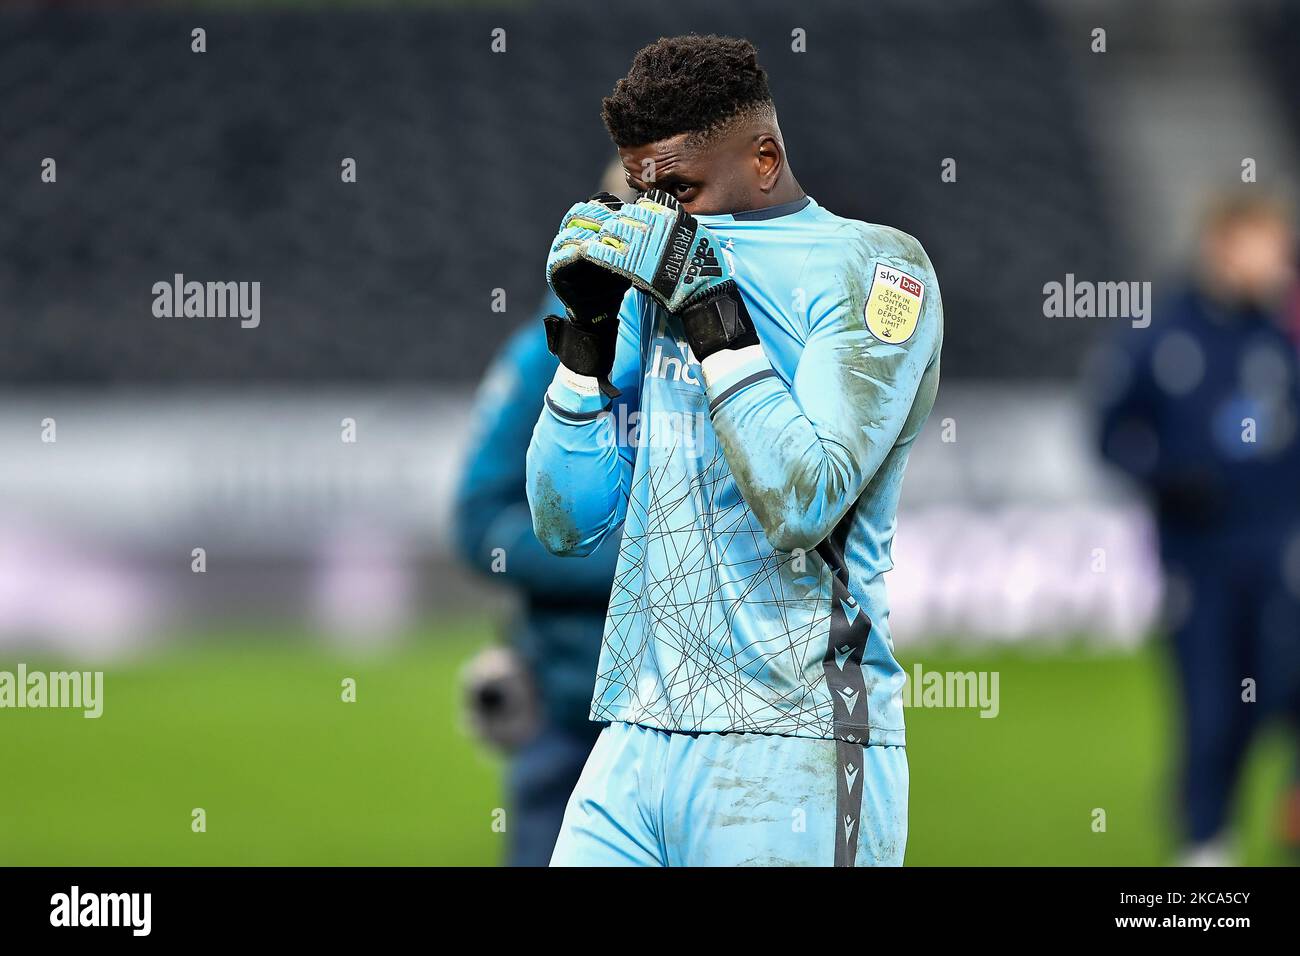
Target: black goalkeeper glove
[(585, 338)]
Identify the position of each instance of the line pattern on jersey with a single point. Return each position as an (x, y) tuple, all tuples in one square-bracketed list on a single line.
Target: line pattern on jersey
[(672, 626)]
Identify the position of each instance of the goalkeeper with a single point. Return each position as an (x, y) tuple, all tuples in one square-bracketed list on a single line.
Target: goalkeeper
[(781, 361)]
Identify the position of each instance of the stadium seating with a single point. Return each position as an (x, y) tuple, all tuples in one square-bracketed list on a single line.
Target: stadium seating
[(225, 166)]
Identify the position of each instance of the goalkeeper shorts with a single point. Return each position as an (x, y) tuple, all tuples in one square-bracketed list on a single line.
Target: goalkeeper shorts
[(651, 797)]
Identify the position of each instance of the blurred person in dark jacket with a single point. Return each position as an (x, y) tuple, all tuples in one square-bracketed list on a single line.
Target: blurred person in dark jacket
[(530, 696), (1203, 411)]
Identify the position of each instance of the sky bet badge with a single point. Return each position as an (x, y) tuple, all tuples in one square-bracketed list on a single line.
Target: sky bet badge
[(893, 304)]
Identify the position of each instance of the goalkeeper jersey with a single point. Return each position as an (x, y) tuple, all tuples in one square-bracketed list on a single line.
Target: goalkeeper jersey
[(756, 493)]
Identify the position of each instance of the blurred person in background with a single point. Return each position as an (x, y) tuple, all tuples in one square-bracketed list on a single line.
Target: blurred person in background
[(1203, 411), (1293, 313), (531, 695)]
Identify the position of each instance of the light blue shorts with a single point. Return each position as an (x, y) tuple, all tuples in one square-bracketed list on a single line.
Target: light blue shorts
[(657, 798)]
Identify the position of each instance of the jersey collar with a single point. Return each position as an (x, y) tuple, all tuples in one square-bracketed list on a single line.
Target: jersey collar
[(773, 212), (758, 215)]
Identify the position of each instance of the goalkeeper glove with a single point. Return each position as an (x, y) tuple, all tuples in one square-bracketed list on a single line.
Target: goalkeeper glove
[(663, 250), (585, 338)]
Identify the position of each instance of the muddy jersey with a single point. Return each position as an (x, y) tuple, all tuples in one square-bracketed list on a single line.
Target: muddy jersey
[(756, 493)]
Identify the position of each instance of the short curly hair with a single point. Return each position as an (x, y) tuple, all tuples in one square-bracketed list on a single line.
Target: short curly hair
[(687, 84)]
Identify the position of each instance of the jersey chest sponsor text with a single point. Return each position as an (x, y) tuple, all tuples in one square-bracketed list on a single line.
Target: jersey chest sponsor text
[(673, 362)]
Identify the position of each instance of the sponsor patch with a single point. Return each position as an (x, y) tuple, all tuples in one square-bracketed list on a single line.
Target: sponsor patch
[(893, 304)]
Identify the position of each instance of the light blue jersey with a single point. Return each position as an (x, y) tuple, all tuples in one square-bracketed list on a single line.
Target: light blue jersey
[(756, 493)]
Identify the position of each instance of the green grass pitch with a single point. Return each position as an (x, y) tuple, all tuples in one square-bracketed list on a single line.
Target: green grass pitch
[(252, 730)]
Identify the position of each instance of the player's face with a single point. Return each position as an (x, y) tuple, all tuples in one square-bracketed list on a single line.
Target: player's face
[(719, 177)]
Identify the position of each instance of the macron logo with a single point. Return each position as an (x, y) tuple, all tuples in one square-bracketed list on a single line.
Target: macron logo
[(102, 909)]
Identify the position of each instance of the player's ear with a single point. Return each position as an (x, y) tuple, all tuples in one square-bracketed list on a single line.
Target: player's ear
[(768, 160)]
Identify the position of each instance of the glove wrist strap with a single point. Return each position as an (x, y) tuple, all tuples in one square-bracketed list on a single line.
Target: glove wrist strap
[(719, 322), (584, 351)]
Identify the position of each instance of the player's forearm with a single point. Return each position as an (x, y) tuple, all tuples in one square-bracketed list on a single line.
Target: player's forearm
[(508, 549), (798, 482), (577, 480)]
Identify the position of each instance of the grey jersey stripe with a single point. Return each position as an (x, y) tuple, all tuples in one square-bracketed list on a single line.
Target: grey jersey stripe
[(574, 416), (846, 645), (743, 383)]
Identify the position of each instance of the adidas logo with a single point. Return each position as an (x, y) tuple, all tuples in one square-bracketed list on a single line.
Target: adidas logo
[(704, 262)]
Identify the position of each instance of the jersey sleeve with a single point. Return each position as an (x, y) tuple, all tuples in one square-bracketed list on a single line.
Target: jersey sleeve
[(490, 512), (803, 453), (580, 458)]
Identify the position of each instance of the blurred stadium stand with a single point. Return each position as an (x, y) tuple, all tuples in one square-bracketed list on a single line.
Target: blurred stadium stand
[(225, 166), (376, 296), (1275, 32), (1185, 91)]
